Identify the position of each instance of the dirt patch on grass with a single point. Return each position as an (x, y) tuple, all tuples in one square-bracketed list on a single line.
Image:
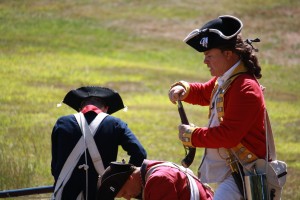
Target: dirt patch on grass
[(278, 29), (276, 23)]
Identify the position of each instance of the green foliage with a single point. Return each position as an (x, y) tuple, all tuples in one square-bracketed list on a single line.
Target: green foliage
[(49, 47)]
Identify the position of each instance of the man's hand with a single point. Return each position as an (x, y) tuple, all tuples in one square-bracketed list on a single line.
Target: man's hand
[(176, 93), (185, 134)]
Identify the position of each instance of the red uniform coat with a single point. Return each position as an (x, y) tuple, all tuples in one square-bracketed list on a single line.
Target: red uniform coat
[(243, 119), (167, 183)]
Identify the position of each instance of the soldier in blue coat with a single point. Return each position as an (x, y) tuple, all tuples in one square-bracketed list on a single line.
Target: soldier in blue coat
[(79, 180)]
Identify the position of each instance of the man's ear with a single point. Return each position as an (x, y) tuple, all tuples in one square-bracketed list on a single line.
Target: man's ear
[(228, 54), (104, 108)]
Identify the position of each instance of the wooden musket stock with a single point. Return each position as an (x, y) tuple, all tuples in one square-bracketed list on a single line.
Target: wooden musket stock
[(190, 151)]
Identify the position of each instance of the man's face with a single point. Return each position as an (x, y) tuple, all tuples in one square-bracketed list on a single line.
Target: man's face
[(130, 189), (217, 61)]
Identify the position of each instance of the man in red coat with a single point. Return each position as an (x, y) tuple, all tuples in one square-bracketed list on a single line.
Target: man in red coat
[(235, 100), (152, 181)]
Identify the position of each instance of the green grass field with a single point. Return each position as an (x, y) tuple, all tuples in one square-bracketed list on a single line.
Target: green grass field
[(135, 47)]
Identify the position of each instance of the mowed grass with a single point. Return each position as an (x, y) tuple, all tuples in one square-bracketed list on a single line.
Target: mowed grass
[(136, 48)]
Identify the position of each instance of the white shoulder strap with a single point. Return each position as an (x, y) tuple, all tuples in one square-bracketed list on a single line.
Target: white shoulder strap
[(68, 168), (270, 144), (75, 155), (194, 190), (88, 133)]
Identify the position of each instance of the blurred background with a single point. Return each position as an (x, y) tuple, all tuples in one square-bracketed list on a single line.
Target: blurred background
[(135, 47)]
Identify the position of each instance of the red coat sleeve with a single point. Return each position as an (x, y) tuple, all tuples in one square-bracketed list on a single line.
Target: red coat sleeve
[(199, 93), (242, 121)]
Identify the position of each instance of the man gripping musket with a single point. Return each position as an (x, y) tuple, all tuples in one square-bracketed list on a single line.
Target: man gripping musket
[(235, 101)]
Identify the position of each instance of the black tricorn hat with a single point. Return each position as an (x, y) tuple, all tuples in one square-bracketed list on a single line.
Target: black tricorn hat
[(111, 98), (113, 179), (215, 33)]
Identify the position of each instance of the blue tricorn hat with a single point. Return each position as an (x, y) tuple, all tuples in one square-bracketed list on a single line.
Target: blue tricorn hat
[(111, 97), (215, 33), (113, 179)]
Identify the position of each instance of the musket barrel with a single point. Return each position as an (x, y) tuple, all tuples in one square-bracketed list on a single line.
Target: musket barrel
[(26, 191)]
